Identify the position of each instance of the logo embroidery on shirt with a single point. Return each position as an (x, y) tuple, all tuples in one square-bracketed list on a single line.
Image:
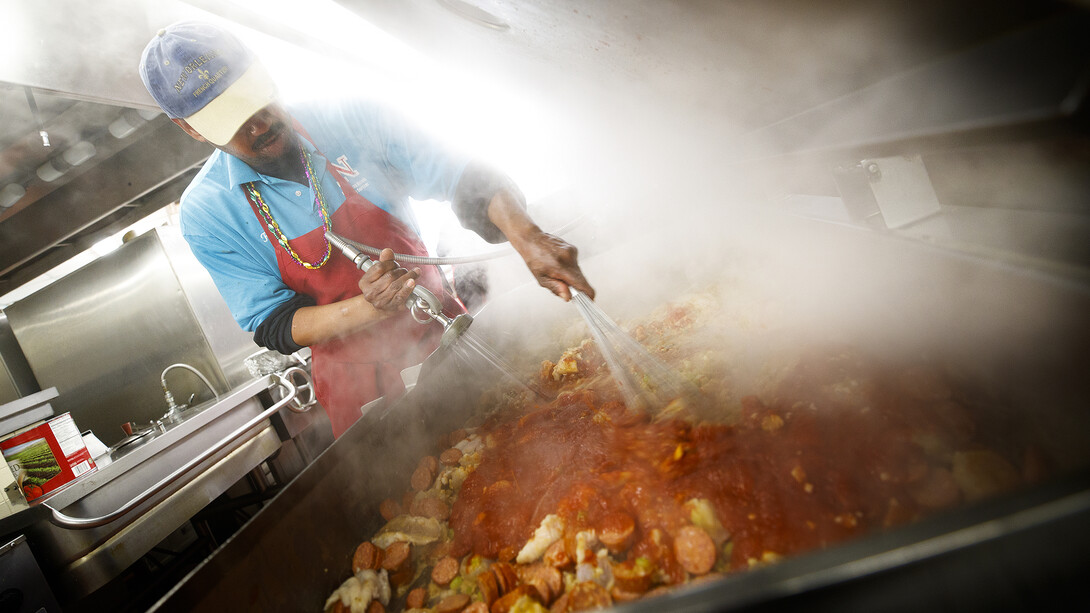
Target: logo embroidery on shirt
[(344, 167)]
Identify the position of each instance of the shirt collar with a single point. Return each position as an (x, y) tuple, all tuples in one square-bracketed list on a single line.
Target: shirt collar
[(238, 172)]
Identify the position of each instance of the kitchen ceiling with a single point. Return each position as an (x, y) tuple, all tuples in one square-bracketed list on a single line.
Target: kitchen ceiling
[(112, 159), (104, 168)]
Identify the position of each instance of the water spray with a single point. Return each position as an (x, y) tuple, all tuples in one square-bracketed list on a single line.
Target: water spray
[(646, 383)]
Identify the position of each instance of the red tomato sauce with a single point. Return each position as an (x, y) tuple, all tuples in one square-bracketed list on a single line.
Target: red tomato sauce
[(815, 465)]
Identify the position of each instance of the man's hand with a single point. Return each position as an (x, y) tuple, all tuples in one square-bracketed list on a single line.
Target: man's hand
[(554, 263), (387, 286)]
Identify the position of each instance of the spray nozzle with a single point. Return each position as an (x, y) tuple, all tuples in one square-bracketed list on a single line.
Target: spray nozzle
[(358, 257)]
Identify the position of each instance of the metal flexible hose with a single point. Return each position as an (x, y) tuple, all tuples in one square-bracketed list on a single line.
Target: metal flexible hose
[(420, 260)]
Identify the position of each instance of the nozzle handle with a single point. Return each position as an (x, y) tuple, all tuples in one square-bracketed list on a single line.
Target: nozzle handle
[(430, 303)]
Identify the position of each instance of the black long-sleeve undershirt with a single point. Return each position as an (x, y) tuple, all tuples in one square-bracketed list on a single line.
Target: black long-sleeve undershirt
[(479, 183), (275, 332)]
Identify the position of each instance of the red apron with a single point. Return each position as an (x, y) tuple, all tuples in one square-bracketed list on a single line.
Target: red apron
[(351, 371)]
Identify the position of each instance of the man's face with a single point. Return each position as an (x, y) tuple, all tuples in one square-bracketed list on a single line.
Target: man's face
[(266, 141)]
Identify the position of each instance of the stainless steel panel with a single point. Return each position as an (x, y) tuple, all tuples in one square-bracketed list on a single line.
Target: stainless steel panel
[(7, 386), (103, 335), (21, 582), (228, 342), (16, 378)]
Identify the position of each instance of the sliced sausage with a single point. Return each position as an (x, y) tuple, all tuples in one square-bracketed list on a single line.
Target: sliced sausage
[(427, 506), (619, 595), (441, 550), (506, 577), (695, 550), (402, 577), (417, 598), (615, 531), (422, 478), (451, 456), (548, 580), (452, 604), (507, 601), (490, 590), (445, 571), (368, 556), (430, 461), (396, 556), (587, 595), (389, 509), (630, 577), (398, 561), (375, 607)]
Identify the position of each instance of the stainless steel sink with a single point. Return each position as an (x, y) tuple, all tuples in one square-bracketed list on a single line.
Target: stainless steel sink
[(141, 437), (126, 446), (110, 518)]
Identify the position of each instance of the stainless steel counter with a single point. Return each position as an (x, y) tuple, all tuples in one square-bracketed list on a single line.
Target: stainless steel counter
[(85, 542)]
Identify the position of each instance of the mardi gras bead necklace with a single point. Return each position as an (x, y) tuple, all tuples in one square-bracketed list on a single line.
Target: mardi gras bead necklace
[(266, 216)]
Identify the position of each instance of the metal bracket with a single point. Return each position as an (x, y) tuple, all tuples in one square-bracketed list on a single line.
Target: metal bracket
[(902, 189), (895, 190), (304, 396)]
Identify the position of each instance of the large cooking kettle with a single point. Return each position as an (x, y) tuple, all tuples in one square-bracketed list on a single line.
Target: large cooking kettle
[(297, 549)]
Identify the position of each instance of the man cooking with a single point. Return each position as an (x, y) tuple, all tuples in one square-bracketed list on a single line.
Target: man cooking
[(256, 214)]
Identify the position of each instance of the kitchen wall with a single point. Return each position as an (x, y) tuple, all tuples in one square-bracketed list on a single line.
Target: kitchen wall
[(104, 334)]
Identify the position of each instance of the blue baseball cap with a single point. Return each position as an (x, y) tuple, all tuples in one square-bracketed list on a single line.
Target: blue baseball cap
[(201, 73)]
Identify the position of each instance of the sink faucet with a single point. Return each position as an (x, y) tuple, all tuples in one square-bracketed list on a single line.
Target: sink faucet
[(173, 413)]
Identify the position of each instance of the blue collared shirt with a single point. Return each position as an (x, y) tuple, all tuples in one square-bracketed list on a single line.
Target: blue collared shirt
[(383, 157)]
